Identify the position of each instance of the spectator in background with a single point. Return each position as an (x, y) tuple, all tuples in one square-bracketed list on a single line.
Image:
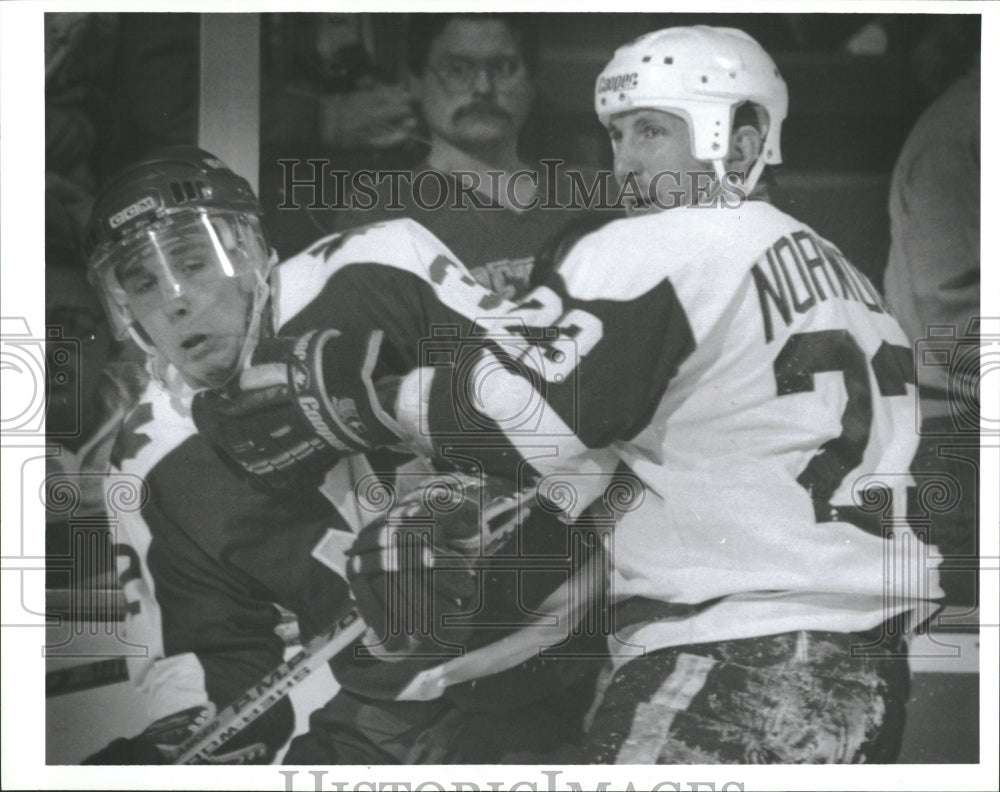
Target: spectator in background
[(470, 76), (334, 89), (933, 278), (345, 89), (153, 86), (320, 90)]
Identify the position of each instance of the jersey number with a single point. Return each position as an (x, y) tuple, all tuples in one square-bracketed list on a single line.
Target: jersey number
[(129, 572), (561, 339), (569, 336), (807, 354)]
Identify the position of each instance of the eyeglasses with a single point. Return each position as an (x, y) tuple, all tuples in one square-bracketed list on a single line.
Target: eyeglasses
[(457, 74)]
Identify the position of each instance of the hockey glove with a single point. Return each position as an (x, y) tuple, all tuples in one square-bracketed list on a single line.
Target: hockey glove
[(412, 570), (161, 742), (302, 405)]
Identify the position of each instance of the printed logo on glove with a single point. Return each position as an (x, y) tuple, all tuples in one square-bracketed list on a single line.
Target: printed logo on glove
[(302, 405)]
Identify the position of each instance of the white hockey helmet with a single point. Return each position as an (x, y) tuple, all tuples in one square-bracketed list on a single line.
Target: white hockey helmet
[(702, 74)]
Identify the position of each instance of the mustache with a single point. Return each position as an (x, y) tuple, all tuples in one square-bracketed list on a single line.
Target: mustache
[(481, 108)]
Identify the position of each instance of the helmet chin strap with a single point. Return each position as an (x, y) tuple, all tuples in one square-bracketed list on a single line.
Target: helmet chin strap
[(141, 341), (749, 181), (262, 292)]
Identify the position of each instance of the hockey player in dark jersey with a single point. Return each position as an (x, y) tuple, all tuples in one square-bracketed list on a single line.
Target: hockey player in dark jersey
[(183, 266)]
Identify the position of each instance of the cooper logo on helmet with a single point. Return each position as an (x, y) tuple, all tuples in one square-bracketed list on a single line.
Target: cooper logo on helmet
[(133, 210), (618, 82)]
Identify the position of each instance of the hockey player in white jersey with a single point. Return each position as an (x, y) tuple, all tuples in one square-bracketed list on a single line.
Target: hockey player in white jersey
[(778, 453), (759, 388)]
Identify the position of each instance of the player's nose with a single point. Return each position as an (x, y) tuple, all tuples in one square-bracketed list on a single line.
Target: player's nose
[(177, 307), (626, 163)]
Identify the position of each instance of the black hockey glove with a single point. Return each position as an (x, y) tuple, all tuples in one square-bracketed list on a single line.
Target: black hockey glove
[(302, 405), (420, 564), (160, 743)]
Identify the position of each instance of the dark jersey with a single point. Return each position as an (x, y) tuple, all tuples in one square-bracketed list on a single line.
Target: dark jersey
[(205, 554)]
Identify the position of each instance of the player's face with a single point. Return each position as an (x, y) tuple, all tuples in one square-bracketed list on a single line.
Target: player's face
[(653, 160), (475, 91), (202, 329)]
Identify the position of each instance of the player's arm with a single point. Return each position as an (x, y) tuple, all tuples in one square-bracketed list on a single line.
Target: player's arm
[(440, 364), (551, 381), (564, 366), (316, 393), (229, 627)]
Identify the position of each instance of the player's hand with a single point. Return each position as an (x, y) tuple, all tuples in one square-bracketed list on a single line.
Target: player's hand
[(419, 564), (161, 743), (374, 115), (302, 405)]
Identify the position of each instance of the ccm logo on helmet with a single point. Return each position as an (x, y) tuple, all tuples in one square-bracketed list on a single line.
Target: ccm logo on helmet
[(126, 214), (618, 82)]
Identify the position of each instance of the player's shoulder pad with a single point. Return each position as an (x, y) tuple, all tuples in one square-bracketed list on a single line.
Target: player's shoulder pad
[(403, 244), (630, 256)]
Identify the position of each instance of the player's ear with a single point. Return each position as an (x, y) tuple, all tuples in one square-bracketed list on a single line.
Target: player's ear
[(745, 147)]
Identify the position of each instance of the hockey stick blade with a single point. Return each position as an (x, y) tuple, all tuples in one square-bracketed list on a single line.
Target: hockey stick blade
[(272, 688)]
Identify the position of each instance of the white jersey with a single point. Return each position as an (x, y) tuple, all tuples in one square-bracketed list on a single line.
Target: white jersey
[(757, 385)]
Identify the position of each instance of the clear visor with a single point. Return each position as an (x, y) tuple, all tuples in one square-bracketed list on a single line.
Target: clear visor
[(178, 255)]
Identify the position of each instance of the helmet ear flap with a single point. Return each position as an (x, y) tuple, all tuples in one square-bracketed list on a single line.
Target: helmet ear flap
[(710, 127)]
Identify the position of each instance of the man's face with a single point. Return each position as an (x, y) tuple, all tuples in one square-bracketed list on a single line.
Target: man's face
[(475, 91), (201, 327), (652, 151)]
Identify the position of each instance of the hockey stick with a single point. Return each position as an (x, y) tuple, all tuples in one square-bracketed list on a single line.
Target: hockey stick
[(275, 686)]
